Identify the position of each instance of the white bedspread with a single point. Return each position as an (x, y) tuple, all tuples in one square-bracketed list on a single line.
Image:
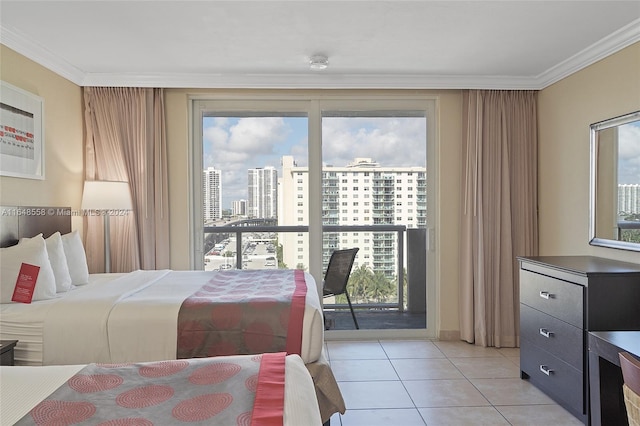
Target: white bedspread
[(129, 319), (22, 388)]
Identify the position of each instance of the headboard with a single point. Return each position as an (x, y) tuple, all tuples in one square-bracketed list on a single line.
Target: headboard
[(21, 222)]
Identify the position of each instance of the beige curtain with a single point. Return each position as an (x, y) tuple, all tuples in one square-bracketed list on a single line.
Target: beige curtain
[(126, 140), (498, 211)]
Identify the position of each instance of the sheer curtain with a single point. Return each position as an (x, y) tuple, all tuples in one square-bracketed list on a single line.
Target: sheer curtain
[(498, 211), (126, 140)]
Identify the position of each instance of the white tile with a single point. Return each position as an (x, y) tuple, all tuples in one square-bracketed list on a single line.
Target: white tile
[(486, 368), (467, 416), (534, 415), (511, 392), (336, 420), (444, 393), (356, 350), (411, 349), (426, 368), (368, 395), (509, 352), (363, 370), (464, 349), (386, 417)]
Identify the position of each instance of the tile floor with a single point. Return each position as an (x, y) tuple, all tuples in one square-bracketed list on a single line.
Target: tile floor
[(420, 382)]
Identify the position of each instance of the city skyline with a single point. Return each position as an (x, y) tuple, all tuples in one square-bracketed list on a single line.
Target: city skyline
[(237, 144)]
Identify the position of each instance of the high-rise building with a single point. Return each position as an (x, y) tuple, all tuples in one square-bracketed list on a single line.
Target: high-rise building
[(239, 208), (212, 194), (361, 193), (262, 202), (629, 198)]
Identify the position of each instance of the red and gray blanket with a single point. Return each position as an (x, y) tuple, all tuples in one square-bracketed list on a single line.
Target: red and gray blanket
[(243, 391), (244, 312)]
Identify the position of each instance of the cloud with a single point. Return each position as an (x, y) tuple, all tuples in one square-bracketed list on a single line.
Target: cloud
[(389, 141), (629, 153), (235, 145)]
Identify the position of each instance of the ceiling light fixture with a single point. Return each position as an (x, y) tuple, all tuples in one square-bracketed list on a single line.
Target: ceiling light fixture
[(318, 62)]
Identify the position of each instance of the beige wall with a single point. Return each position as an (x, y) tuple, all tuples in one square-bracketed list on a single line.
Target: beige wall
[(64, 159), (606, 89), (448, 146)]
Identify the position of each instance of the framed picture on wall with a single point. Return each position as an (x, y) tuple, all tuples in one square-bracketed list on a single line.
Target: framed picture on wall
[(21, 133)]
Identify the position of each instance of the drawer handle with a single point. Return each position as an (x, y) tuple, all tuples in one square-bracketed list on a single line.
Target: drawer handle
[(546, 370), (546, 333), (546, 295)]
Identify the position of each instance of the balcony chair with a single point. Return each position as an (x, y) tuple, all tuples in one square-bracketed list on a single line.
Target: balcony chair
[(631, 375), (337, 276)]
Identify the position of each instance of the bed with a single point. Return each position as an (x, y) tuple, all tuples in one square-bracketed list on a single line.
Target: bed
[(214, 391), (154, 315), (101, 321)]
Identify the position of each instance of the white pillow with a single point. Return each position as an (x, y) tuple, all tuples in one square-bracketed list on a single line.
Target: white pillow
[(76, 258), (58, 261), (33, 252)]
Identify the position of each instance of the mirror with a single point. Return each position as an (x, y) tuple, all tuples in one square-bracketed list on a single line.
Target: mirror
[(615, 183)]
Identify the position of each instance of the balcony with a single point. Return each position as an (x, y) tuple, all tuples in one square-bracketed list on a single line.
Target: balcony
[(378, 299)]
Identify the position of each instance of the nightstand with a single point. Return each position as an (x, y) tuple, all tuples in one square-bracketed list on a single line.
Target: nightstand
[(6, 351)]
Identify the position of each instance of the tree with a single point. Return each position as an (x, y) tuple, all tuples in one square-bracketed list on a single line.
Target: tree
[(365, 286)]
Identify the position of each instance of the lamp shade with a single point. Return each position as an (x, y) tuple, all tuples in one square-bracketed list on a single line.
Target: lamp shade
[(105, 194)]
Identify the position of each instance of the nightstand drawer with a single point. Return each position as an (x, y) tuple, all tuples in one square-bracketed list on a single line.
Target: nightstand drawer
[(555, 297), (562, 381), (555, 336), (6, 351)]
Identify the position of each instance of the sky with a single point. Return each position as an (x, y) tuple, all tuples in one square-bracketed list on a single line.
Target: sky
[(629, 153), (234, 145)]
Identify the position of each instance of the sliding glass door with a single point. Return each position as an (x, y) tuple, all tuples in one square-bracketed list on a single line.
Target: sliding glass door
[(281, 183)]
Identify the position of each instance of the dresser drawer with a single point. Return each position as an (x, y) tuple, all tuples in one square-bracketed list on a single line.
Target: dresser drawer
[(549, 333), (563, 382), (560, 299)]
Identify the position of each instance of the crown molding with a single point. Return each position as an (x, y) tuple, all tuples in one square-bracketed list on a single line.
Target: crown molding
[(616, 41), (311, 81), (609, 45), (15, 41)]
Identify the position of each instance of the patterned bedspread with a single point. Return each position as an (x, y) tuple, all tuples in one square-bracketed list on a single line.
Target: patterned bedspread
[(244, 312), (222, 391)]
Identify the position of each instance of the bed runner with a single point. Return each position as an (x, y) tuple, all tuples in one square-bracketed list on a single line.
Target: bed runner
[(243, 312), (198, 391)]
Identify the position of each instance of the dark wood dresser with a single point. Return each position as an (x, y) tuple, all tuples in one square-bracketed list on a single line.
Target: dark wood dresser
[(562, 298)]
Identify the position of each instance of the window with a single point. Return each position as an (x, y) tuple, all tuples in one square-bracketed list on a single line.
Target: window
[(362, 123)]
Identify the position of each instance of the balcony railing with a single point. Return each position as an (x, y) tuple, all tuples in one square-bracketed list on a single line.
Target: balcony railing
[(387, 251)]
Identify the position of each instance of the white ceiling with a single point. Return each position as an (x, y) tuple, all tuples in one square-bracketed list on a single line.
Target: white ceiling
[(370, 44)]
